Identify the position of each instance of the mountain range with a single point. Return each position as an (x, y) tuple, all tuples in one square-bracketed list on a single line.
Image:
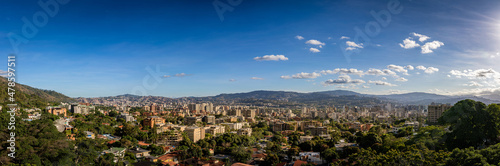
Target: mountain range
[(33, 97)]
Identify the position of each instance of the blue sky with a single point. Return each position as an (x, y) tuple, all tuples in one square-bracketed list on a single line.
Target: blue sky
[(102, 48)]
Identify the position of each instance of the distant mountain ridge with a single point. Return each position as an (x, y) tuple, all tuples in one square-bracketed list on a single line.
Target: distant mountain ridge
[(334, 97), (32, 97)]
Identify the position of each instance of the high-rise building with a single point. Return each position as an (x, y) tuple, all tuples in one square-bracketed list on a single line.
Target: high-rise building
[(191, 120), (57, 110), (152, 121), (250, 113), (209, 119), (195, 133), (235, 112), (435, 111), (194, 107)]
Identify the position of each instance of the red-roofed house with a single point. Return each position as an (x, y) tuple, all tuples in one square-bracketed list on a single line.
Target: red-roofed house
[(299, 163)]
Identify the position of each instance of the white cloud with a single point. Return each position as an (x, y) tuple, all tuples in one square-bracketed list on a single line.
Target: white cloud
[(408, 43), (257, 78), (399, 69), (344, 37), (271, 58), (315, 42), (352, 45), (431, 70), (476, 74), (343, 79), (401, 79), (375, 72), (381, 83), (286, 77), (364, 86), (389, 72), (302, 76), (299, 37), (343, 71), (421, 67), (473, 83), (429, 46), (428, 70), (383, 78), (314, 50), (409, 67), (421, 37)]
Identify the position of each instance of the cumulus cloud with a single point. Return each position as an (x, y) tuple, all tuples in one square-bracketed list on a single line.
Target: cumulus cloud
[(381, 83), (389, 72), (256, 78), (431, 70), (375, 72), (344, 37), (271, 58), (476, 74), (352, 45), (409, 43), (286, 77), (428, 70), (420, 67), (315, 42), (314, 50), (399, 69), (421, 37), (343, 71), (344, 79), (473, 83), (299, 37), (429, 46), (401, 79), (302, 76), (409, 67)]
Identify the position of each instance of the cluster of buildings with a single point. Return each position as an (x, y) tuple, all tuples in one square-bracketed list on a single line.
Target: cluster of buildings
[(205, 119)]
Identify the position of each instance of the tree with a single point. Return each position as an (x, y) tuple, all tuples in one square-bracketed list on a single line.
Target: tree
[(430, 136), (369, 139), (107, 159), (329, 154), (156, 150), (307, 145), (293, 151), (467, 156), (494, 111), (471, 125), (271, 159), (241, 154)]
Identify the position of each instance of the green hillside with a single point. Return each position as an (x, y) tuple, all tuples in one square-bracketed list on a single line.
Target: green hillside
[(29, 97)]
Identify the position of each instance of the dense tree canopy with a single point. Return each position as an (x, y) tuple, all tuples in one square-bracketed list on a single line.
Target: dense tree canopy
[(471, 124)]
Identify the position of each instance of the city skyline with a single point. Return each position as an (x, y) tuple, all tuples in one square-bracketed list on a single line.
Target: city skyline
[(90, 49)]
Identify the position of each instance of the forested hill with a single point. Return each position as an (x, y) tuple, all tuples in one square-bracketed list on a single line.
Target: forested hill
[(29, 97)]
